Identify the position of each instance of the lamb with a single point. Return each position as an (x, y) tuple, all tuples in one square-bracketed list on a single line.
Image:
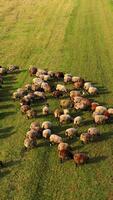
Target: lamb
[(93, 131), (67, 78), (70, 132), (61, 88), (25, 108), (58, 112), (100, 110), (31, 114), (92, 90), (87, 85), (100, 119), (80, 158), (45, 110), (77, 120), (65, 119), (47, 125), (55, 139), (65, 103), (46, 133), (74, 93), (85, 138), (32, 71)]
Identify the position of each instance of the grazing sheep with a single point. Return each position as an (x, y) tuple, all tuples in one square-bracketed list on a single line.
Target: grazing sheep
[(55, 139), (37, 81), (46, 87), (58, 112), (51, 74), (65, 103), (77, 120), (45, 110), (25, 108), (63, 146), (85, 138), (31, 114), (80, 158), (57, 94), (46, 133), (35, 87), (110, 111), (87, 85), (32, 71), (76, 79), (64, 155), (74, 93), (94, 105), (29, 143), (31, 134), (40, 95), (35, 125), (28, 87), (70, 132), (3, 71), (78, 85), (100, 110), (47, 125), (100, 119), (59, 75), (61, 88), (93, 131), (65, 119), (67, 78), (92, 90)]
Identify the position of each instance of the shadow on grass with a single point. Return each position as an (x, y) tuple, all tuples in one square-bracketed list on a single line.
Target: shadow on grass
[(96, 159), (6, 132), (4, 173), (6, 114)]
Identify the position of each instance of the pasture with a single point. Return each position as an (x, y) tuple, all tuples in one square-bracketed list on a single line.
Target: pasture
[(74, 36)]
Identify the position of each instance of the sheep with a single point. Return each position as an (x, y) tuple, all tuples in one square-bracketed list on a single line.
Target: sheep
[(51, 74), (64, 155), (93, 131), (92, 90), (100, 109), (58, 112), (63, 146), (110, 111), (45, 110), (46, 87), (80, 158), (35, 87), (100, 119), (70, 132), (40, 95), (74, 93), (87, 85), (85, 138), (47, 125), (59, 75), (46, 133), (31, 114), (24, 109), (37, 81), (76, 79), (61, 88), (16, 96), (94, 105), (31, 134), (67, 78), (55, 139), (66, 111), (32, 71), (65, 119), (77, 120), (28, 87), (65, 103), (12, 69), (57, 94), (3, 71), (34, 125), (29, 143), (78, 85)]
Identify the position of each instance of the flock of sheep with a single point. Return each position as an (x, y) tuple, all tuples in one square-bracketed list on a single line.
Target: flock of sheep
[(78, 99)]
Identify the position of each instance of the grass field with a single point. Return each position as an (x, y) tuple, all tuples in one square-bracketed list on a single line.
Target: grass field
[(74, 36)]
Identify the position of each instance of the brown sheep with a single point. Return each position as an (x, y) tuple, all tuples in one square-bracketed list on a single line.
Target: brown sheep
[(32, 71), (24, 109), (31, 114), (58, 112), (80, 158), (57, 93), (59, 75), (66, 103), (64, 155)]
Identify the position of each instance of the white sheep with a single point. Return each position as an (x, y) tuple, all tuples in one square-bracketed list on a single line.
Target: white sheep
[(76, 79), (67, 78), (100, 109), (45, 110), (70, 132), (66, 111), (100, 119), (85, 138), (74, 93), (87, 85), (61, 88), (92, 90), (46, 133), (37, 81), (47, 125), (55, 139), (65, 118), (93, 131), (110, 111), (40, 95), (63, 146), (77, 120)]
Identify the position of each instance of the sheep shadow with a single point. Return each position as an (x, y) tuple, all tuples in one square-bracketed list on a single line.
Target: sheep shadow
[(11, 163), (103, 137), (96, 159), (4, 173), (6, 114), (6, 132), (6, 106)]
